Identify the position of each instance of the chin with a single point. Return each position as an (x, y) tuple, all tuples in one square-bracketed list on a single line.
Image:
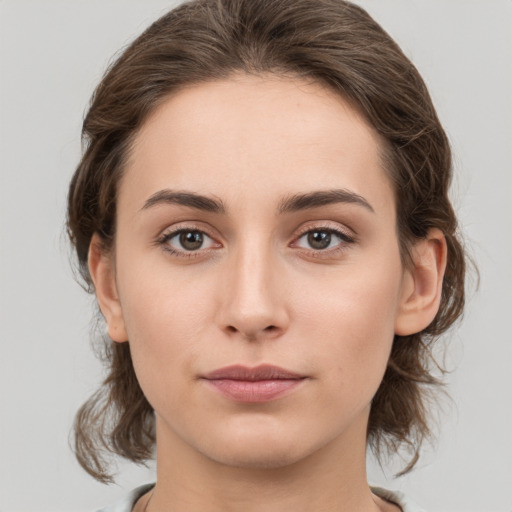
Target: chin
[(256, 459), (260, 450)]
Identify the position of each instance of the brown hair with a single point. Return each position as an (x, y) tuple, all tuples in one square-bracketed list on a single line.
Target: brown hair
[(329, 41)]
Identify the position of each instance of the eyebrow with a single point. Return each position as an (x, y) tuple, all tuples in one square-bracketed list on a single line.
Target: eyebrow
[(290, 204), (189, 199), (322, 198)]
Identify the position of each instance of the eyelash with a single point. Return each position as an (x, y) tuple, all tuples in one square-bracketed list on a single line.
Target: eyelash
[(341, 246), (344, 240), (163, 241)]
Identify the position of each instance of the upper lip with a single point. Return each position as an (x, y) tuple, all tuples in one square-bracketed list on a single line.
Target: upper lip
[(261, 372)]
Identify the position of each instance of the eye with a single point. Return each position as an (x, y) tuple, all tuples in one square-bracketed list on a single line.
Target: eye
[(187, 240), (322, 239)]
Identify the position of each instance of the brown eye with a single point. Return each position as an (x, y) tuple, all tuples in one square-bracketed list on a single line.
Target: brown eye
[(191, 240), (319, 240), (187, 242), (323, 239)]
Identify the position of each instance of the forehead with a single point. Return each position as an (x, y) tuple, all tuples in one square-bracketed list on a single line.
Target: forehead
[(259, 134)]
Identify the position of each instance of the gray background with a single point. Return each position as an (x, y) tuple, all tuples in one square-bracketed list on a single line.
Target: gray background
[(52, 55)]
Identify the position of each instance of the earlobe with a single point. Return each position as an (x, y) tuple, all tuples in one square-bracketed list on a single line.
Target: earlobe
[(422, 284), (101, 269)]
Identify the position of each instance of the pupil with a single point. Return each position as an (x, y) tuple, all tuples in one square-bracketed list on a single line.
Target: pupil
[(319, 239), (191, 240)]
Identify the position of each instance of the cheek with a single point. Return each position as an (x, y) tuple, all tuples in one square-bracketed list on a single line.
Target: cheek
[(166, 321), (341, 324), (352, 321)]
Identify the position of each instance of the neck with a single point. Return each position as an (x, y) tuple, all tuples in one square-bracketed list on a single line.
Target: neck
[(331, 478)]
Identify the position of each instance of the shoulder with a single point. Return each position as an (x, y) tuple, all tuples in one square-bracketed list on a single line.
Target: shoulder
[(398, 498), (127, 503)]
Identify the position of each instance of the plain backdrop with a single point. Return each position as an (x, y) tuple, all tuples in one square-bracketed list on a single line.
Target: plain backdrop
[(52, 55)]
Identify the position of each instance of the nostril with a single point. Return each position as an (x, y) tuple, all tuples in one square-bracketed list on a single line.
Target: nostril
[(268, 329)]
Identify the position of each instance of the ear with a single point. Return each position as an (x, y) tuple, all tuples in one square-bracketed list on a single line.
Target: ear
[(102, 271), (422, 284)]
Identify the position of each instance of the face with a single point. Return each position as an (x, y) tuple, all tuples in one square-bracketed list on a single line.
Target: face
[(256, 269)]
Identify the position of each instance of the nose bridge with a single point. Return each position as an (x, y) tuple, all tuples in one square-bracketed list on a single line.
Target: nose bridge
[(252, 303)]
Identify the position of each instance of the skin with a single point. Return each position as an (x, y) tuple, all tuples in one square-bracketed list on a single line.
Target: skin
[(257, 292)]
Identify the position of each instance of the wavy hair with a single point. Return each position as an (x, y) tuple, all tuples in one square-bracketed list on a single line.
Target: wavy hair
[(335, 43)]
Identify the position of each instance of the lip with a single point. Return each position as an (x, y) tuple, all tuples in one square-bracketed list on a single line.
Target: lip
[(253, 385)]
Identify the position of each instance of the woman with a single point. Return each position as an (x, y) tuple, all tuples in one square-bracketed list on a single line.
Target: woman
[(261, 210)]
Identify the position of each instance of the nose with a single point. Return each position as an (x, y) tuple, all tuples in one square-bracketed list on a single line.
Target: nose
[(253, 304)]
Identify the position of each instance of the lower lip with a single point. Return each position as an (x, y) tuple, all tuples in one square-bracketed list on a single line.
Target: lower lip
[(254, 391)]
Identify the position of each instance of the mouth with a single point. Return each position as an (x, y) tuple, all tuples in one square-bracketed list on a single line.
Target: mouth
[(253, 385)]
